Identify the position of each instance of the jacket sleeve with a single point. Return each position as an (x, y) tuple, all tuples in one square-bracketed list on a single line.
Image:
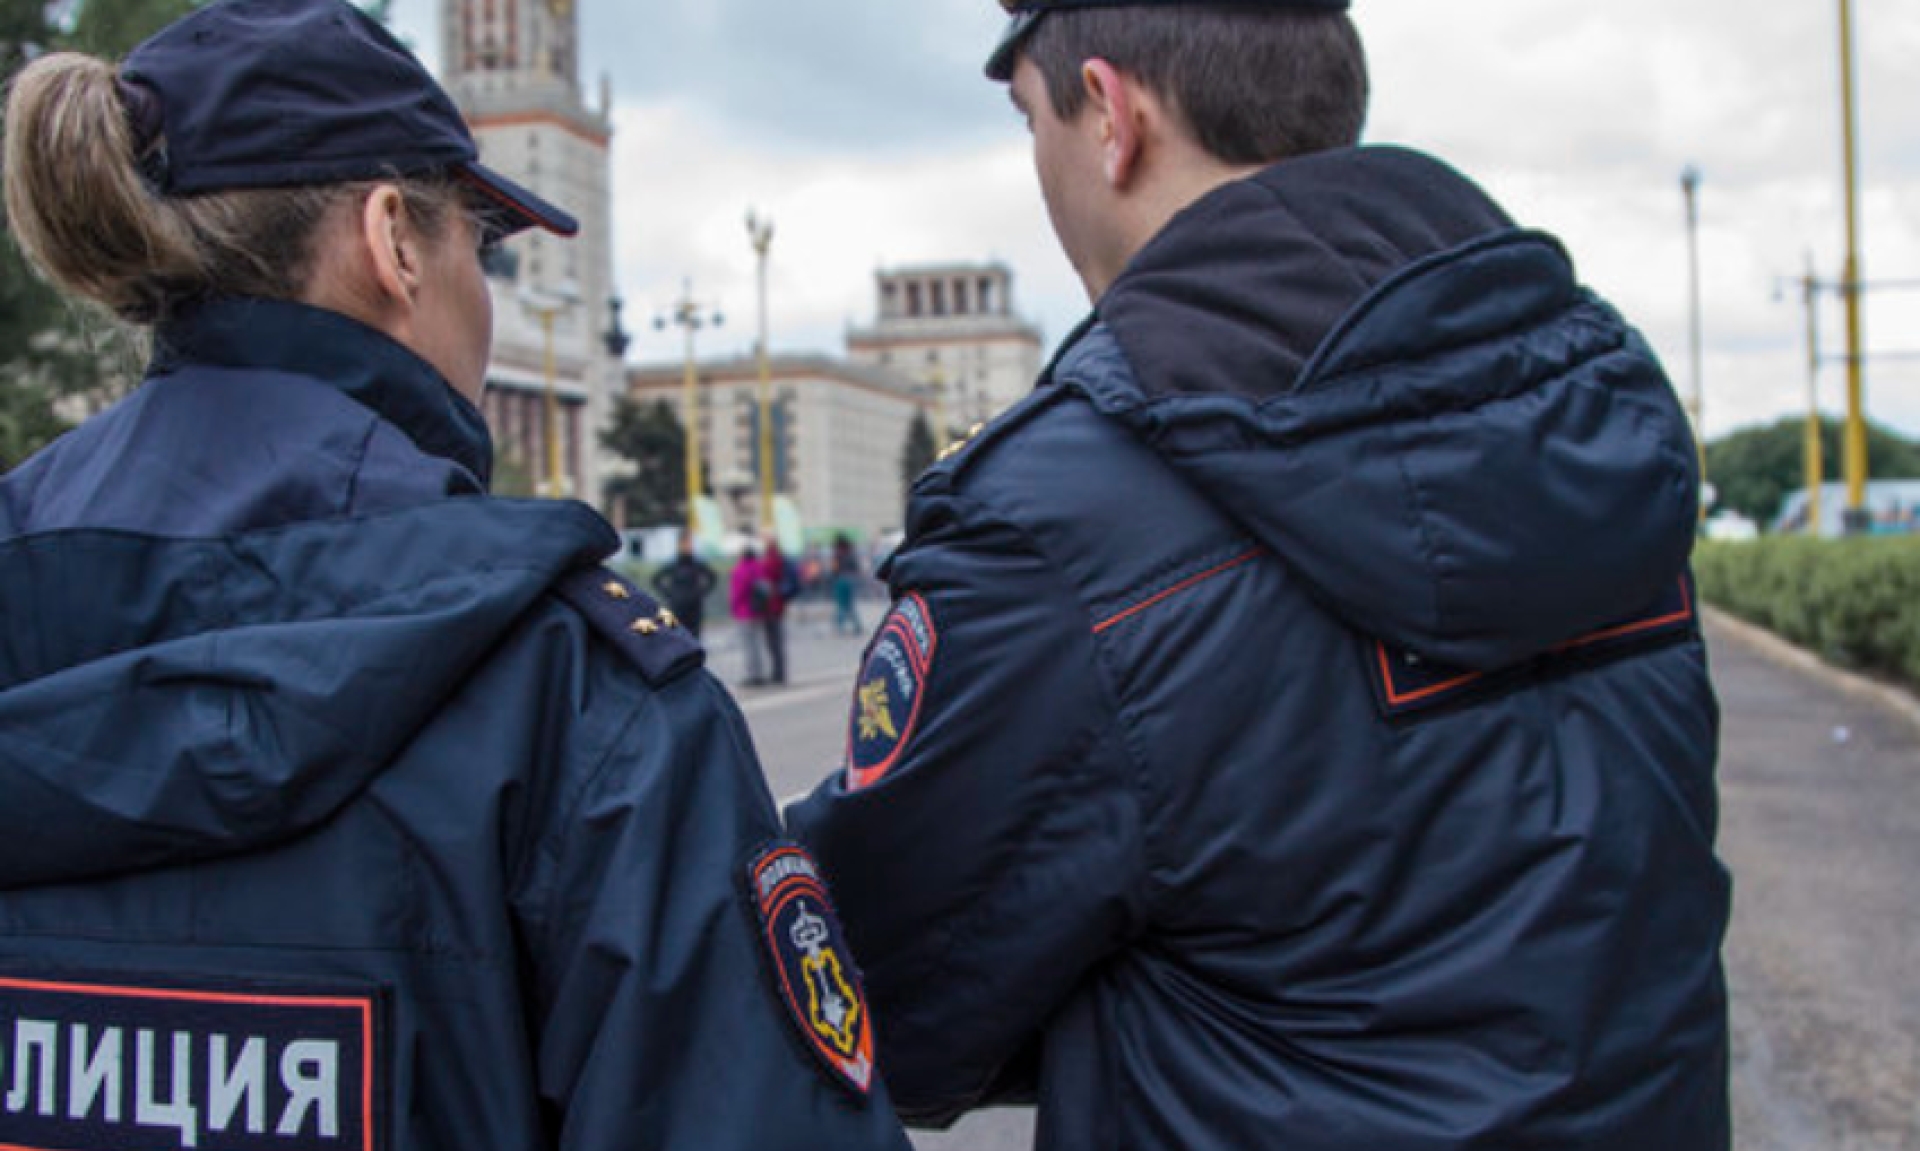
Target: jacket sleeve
[(661, 1017), (983, 837)]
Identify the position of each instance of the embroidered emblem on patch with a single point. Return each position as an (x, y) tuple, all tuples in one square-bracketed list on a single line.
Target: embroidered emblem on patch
[(886, 699), (229, 1065), (808, 953)]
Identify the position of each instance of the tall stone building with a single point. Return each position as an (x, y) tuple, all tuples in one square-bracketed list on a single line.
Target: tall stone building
[(953, 328), (513, 67)]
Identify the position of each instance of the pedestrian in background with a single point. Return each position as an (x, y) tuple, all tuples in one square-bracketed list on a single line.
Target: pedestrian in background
[(685, 584), (747, 598), (1292, 728), (778, 586), (846, 585), (346, 806)]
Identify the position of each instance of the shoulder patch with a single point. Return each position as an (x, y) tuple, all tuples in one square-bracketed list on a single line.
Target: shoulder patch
[(887, 696), (129, 1060), (808, 956), (647, 634), (1404, 684)]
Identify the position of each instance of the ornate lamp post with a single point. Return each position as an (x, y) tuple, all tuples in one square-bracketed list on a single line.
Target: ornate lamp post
[(1690, 188), (615, 338), (691, 316), (545, 305)]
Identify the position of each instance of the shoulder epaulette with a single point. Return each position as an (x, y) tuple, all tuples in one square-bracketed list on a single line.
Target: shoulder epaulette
[(969, 448), (647, 634)]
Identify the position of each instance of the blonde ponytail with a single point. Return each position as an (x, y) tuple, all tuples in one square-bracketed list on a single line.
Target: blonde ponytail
[(76, 202)]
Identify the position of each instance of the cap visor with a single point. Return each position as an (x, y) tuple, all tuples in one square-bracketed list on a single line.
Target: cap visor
[(518, 208), (1007, 52)]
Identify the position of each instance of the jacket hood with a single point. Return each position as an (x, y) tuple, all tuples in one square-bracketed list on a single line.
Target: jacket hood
[(1410, 401), (170, 700)]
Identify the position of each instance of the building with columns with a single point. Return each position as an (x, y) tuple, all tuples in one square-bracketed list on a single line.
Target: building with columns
[(513, 68), (953, 328), (840, 430), (947, 346)]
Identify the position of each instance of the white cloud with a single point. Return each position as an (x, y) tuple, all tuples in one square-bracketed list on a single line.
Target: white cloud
[(683, 191), (866, 131)]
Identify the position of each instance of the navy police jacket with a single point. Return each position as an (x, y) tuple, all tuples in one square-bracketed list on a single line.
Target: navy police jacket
[(338, 810), (1292, 728)]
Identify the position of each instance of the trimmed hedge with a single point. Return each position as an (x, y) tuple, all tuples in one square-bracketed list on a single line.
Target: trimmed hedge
[(1856, 602)]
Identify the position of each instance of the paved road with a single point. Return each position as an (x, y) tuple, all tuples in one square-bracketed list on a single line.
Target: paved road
[(1820, 823)]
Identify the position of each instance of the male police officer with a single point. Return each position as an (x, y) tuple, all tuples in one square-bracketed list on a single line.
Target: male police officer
[(1292, 727)]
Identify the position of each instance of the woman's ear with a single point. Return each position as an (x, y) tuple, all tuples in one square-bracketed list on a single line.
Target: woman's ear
[(392, 248)]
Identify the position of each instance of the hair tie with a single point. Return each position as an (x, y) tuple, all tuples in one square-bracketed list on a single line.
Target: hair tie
[(148, 122)]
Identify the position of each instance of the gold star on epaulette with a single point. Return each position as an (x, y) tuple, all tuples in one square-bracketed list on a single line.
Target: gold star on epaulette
[(662, 620), (956, 447), (616, 590)]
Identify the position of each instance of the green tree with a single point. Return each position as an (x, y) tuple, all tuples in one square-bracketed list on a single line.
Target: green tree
[(919, 453), (649, 436), (57, 356), (111, 28), (1752, 470)]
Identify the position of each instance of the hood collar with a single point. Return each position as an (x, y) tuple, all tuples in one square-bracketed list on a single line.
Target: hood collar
[(367, 365), (1415, 405)]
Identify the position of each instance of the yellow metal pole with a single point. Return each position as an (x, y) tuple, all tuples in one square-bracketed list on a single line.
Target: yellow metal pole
[(1855, 453), (554, 489), (761, 233), (1816, 465), (689, 320)]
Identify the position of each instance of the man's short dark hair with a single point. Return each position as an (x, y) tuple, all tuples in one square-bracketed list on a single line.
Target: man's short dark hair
[(1255, 85)]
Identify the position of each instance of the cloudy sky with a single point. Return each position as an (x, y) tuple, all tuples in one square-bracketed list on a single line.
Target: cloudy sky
[(865, 130)]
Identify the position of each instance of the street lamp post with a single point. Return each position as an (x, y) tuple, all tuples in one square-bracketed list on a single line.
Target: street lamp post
[(1816, 464), (1855, 450), (1690, 187), (760, 233), (688, 315), (545, 306)]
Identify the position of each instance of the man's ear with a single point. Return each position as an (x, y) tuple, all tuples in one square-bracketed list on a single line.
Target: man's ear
[(393, 252), (1116, 109)]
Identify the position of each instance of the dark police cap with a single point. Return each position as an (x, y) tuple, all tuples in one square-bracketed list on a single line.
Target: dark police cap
[(1027, 13), (279, 93)]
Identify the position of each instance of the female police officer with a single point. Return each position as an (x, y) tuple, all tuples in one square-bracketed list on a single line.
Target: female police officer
[(344, 806)]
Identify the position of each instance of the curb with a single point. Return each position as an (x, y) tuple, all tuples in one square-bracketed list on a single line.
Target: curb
[(1901, 703)]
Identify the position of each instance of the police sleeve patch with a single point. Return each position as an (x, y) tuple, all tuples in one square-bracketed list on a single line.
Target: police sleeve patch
[(807, 954), (225, 1065), (887, 698)]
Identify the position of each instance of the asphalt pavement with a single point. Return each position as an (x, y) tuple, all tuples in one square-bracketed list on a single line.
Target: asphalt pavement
[(1820, 825)]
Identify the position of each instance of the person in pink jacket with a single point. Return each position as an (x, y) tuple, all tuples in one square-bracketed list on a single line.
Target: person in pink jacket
[(741, 602)]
